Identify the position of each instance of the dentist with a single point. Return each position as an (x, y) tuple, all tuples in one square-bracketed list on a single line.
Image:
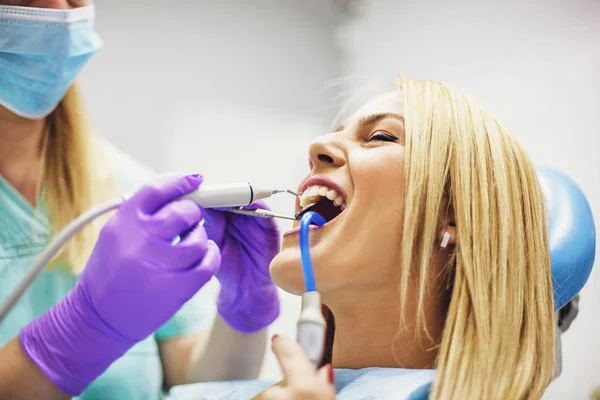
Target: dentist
[(52, 169)]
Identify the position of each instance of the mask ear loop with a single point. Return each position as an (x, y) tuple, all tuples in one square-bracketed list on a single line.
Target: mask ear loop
[(445, 240)]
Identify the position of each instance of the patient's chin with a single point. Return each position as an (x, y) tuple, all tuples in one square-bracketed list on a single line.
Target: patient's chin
[(286, 271)]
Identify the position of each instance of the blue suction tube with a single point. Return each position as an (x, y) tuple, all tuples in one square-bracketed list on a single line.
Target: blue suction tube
[(307, 268)]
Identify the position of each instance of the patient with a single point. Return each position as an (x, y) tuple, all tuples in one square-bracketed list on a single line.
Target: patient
[(436, 254)]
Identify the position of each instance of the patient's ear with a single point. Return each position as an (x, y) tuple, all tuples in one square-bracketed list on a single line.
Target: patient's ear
[(448, 226)]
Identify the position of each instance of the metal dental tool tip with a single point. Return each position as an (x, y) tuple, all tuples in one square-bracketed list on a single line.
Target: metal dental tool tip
[(276, 191), (260, 213)]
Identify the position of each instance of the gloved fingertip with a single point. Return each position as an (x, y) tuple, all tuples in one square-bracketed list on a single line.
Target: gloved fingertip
[(210, 244), (195, 179), (215, 248)]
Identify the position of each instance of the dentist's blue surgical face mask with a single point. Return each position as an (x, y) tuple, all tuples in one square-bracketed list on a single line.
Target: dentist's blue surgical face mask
[(41, 52)]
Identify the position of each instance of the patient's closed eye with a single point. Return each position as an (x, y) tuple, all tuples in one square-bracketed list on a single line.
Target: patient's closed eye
[(382, 136)]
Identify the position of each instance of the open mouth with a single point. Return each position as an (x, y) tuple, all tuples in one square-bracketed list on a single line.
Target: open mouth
[(323, 200)]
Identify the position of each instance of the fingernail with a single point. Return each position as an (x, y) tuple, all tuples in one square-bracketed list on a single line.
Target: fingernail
[(274, 337), (331, 374)]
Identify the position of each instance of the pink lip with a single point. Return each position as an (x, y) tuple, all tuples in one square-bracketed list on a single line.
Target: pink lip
[(322, 180), (297, 229)]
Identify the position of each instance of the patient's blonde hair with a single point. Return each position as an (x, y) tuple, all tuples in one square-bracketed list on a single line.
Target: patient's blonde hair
[(73, 179), (498, 337)]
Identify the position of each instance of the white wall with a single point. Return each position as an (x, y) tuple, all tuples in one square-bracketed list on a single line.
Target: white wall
[(536, 65), (232, 89)]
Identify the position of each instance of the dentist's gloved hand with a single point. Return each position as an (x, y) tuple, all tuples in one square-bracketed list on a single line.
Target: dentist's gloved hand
[(248, 300), (134, 281)]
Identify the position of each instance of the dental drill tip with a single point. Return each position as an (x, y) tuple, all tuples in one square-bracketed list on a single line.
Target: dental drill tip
[(276, 191), (270, 214), (289, 218)]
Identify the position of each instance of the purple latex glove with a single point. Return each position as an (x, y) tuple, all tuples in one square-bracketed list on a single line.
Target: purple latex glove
[(248, 300), (134, 281)]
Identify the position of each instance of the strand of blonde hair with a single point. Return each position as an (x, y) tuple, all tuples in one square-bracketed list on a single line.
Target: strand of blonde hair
[(72, 179)]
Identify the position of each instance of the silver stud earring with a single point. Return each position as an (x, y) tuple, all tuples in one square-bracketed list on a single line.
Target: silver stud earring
[(445, 240)]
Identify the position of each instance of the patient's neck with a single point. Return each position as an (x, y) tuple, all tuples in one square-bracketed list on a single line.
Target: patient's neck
[(368, 334)]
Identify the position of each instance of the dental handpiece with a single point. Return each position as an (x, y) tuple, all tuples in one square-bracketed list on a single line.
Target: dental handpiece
[(231, 194)]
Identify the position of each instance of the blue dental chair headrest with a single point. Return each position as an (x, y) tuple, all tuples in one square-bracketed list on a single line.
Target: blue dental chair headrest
[(572, 234)]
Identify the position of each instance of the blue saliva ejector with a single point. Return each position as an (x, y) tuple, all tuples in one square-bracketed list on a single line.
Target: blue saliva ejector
[(311, 324)]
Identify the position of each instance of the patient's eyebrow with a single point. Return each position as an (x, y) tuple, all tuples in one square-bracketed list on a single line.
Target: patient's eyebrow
[(372, 119)]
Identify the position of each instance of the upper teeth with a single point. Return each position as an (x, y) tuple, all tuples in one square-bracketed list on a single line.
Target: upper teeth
[(313, 193)]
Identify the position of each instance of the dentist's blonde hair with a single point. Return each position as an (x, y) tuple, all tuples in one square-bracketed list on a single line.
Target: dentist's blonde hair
[(498, 337), (72, 179)]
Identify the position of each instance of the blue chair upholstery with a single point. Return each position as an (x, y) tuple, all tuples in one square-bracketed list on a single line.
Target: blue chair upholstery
[(572, 242), (572, 234)]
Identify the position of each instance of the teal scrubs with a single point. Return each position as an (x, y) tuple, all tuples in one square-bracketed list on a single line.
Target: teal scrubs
[(138, 374)]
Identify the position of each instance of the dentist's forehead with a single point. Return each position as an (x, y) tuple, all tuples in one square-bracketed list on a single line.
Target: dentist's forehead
[(389, 102)]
